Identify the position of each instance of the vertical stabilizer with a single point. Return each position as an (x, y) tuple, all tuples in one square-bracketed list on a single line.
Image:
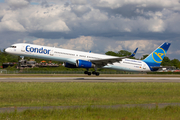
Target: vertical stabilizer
[(156, 57)]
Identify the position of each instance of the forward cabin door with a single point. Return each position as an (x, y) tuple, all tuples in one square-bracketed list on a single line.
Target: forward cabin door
[(23, 48), (51, 53)]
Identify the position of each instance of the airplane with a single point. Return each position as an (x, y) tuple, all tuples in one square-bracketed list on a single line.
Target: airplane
[(79, 59)]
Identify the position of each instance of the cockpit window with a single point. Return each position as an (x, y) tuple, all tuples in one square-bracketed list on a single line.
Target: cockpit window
[(12, 46)]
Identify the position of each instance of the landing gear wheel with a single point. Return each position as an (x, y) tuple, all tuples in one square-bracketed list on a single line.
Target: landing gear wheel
[(89, 73), (97, 74), (85, 72)]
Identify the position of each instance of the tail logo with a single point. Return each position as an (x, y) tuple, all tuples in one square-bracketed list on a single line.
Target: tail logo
[(158, 55)]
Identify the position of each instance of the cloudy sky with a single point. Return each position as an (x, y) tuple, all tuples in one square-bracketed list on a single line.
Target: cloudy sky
[(92, 25)]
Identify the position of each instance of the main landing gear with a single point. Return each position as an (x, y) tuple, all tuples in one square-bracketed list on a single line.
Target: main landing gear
[(89, 73), (86, 72), (95, 73)]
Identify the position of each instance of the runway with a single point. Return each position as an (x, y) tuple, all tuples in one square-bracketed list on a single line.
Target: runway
[(90, 79)]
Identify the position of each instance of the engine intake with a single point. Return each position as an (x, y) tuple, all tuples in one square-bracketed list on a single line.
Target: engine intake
[(68, 65), (84, 64)]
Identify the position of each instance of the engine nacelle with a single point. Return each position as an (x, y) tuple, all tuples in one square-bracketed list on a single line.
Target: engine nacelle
[(65, 64), (84, 64)]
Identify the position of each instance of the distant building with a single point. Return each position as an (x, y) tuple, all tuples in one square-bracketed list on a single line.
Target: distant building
[(23, 63), (167, 69), (6, 65), (26, 64)]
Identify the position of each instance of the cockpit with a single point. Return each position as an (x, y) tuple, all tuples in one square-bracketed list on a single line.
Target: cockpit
[(12, 47)]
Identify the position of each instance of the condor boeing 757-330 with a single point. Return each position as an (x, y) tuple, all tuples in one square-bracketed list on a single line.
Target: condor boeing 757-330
[(79, 59)]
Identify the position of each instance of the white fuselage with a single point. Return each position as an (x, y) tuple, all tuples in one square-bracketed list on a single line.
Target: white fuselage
[(70, 56)]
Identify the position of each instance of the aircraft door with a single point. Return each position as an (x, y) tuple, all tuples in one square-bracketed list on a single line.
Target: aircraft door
[(144, 66), (51, 52), (23, 48)]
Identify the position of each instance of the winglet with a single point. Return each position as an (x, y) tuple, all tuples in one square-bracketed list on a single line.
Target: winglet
[(133, 54)]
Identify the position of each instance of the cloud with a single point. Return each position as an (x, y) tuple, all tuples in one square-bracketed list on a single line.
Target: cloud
[(81, 43), (11, 26), (113, 4), (85, 43), (59, 21), (114, 49), (15, 4), (34, 19), (80, 10), (79, 2), (143, 45), (97, 25), (56, 26), (39, 41), (178, 52)]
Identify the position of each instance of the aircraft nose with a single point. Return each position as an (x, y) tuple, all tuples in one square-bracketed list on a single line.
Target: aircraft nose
[(6, 50)]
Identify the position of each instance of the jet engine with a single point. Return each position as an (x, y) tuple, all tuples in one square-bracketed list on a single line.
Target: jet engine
[(65, 64), (84, 64)]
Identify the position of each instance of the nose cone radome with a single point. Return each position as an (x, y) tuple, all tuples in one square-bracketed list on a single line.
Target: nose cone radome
[(7, 50)]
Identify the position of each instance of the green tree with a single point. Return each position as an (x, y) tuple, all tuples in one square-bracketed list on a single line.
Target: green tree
[(111, 53), (122, 53), (166, 62), (144, 56), (4, 57), (176, 63)]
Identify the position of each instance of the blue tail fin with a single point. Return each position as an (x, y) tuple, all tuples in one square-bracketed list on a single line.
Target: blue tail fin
[(156, 57), (133, 54)]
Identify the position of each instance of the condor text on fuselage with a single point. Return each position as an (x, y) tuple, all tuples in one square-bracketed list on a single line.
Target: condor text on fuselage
[(37, 50)]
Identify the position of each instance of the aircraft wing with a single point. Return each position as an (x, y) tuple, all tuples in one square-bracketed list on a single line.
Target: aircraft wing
[(103, 62)]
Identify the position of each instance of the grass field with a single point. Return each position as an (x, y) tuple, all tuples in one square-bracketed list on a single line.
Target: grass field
[(67, 94), (136, 113), (76, 93)]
